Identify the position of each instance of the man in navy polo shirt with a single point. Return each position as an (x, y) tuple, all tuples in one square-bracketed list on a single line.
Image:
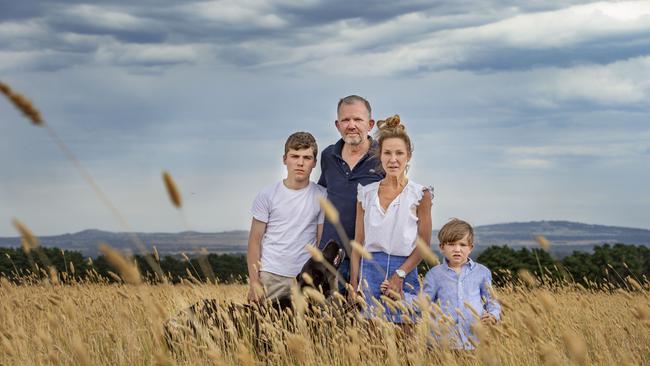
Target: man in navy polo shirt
[(346, 164)]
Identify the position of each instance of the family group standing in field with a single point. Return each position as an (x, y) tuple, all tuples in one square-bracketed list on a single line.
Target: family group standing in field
[(386, 213)]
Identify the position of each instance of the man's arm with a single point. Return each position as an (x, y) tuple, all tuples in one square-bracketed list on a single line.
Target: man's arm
[(253, 256), (322, 181)]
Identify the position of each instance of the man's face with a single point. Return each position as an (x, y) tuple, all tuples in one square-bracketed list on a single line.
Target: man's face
[(457, 252), (354, 122), (299, 163)]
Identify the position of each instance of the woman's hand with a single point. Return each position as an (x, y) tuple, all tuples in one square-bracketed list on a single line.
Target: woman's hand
[(395, 285), (385, 289), (351, 292)]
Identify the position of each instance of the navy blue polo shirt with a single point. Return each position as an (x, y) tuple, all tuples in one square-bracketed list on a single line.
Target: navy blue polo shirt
[(341, 184)]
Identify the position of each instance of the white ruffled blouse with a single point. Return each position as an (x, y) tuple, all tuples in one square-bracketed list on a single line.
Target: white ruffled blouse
[(395, 230)]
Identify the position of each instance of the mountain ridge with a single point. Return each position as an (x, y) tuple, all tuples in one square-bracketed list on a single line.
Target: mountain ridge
[(563, 235)]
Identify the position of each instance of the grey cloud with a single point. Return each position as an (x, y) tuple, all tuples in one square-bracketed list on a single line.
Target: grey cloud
[(592, 52), (240, 36), (19, 10)]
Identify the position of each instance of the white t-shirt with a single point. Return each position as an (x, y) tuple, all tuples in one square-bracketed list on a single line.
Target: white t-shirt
[(395, 230), (291, 218)]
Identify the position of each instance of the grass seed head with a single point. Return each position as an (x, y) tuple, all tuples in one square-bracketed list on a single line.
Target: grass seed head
[(26, 234), (330, 211), (637, 286), (547, 300), (360, 249), (543, 242), (425, 251), (576, 347), (297, 345), (549, 355), (314, 295), (641, 312), (527, 277), (315, 253), (128, 271), (22, 103), (308, 279), (80, 352), (172, 189), (156, 255)]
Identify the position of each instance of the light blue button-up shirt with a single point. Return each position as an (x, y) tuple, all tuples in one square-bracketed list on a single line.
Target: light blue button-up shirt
[(454, 292)]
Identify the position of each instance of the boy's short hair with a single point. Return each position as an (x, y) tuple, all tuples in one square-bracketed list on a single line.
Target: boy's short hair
[(455, 230), (299, 141)]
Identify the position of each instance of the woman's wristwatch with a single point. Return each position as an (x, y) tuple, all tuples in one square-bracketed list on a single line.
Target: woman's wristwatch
[(400, 273)]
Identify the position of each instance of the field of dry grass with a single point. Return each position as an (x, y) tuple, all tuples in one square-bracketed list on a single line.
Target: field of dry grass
[(101, 324), (96, 324)]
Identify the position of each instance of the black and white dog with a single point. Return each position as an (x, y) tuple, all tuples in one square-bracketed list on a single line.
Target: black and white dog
[(226, 321)]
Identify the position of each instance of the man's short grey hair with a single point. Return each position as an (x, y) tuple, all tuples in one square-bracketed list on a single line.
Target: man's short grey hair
[(351, 99)]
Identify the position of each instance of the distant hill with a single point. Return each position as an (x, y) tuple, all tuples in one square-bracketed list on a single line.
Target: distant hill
[(564, 236), (187, 242)]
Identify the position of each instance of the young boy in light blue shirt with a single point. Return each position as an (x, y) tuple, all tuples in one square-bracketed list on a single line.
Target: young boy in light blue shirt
[(459, 285)]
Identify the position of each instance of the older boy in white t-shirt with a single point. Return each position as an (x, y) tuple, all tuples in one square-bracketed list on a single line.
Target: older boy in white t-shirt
[(286, 217)]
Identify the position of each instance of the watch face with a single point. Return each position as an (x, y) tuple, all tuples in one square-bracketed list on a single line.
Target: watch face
[(400, 273)]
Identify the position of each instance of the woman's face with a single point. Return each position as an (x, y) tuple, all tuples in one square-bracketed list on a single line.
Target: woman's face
[(394, 156)]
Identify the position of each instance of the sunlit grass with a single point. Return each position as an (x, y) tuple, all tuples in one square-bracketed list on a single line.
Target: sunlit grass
[(122, 324)]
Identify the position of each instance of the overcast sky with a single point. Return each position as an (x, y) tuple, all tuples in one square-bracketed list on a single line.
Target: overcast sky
[(519, 111)]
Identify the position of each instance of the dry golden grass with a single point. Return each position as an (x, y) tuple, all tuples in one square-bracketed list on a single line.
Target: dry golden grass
[(98, 324)]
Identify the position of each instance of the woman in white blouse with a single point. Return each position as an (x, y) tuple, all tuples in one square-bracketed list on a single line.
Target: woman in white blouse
[(391, 214)]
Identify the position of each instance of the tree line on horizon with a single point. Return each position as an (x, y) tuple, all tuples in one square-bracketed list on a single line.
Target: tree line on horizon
[(607, 264)]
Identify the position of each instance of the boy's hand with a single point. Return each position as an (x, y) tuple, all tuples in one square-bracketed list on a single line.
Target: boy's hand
[(488, 319), (255, 293)]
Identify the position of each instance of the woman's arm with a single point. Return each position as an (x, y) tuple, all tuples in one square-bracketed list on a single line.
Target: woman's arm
[(423, 213), (359, 237)]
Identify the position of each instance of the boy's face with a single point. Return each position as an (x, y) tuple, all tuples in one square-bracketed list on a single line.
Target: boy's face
[(299, 163), (457, 252)]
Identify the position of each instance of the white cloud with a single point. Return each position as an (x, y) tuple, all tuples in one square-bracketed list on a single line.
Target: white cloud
[(596, 150), (563, 27), (531, 163), (616, 83), (15, 59), (448, 48), (29, 28), (104, 17)]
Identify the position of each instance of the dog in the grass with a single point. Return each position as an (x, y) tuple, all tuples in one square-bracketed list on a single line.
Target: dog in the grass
[(227, 321)]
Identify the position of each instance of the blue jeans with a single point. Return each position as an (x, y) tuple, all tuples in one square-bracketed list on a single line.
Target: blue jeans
[(373, 273)]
